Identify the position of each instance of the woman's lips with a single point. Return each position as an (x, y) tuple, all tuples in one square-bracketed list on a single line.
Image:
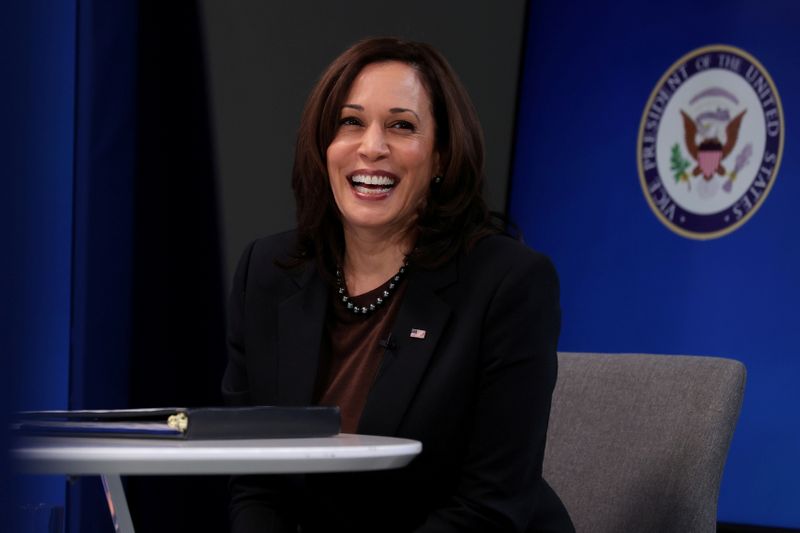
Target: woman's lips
[(372, 184)]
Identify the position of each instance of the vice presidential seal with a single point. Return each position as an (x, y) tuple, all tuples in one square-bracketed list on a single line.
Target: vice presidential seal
[(710, 142)]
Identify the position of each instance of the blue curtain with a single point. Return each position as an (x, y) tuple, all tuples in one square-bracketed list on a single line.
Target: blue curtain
[(37, 122)]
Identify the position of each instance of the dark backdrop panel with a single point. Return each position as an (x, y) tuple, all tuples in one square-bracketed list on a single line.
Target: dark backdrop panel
[(178, 349), (265, 56)]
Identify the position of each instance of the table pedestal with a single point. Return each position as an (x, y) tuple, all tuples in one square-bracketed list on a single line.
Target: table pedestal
[(117, 503)]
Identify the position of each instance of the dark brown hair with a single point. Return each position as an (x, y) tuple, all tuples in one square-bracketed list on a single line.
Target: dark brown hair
[(455, 214)]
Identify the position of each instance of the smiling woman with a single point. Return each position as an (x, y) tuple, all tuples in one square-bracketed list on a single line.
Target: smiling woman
[(399, 300), (382, 161)]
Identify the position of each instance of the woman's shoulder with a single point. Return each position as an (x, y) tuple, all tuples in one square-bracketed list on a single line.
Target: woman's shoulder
[(278, 246), (510, 276), (506, 254), (267, 260)]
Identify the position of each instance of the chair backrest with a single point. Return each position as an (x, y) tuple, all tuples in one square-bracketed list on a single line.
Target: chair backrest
[(638, 442)]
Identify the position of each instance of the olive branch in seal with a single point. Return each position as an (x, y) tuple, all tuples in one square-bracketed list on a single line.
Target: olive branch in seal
[(678, 165)]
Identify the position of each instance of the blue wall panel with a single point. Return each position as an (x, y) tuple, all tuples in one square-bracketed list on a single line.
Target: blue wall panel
[(36, 134), (630, 284)]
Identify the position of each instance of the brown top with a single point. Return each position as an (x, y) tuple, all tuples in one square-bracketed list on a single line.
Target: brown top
[(351, 352)]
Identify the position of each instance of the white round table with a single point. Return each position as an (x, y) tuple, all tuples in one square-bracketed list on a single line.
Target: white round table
[(111, 458)]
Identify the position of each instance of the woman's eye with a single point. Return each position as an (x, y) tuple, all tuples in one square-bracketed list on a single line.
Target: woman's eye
[(349, 121), (403, 125)]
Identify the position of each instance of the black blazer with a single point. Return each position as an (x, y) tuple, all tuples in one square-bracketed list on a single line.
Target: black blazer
[(475, 391)]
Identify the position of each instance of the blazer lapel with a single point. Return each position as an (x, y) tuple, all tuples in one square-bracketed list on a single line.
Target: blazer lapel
[(300, 321), (404, 363)]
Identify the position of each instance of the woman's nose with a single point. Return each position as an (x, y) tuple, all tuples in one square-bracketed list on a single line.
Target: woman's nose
[(373, 142)]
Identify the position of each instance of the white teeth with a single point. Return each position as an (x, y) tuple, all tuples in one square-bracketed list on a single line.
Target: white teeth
[(372, 180), (366, 190)]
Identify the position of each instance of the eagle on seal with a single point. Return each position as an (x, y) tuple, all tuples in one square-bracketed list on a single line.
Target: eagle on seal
[(710, 152)]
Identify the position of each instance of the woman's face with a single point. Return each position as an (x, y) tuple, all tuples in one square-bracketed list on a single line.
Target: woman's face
[(382, 159)]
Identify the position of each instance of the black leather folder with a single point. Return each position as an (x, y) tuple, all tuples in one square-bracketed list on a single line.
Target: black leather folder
[(264, 422)]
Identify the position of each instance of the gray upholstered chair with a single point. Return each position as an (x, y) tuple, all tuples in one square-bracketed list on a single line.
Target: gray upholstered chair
[(637, 443)]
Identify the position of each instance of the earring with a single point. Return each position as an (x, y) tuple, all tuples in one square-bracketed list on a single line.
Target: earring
[(437, 180)]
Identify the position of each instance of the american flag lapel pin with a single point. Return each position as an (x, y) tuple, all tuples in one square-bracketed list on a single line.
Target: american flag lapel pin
[(417, 333)]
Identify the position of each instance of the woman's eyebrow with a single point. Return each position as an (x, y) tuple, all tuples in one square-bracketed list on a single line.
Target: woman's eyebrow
[(403, 110), (393, 110)]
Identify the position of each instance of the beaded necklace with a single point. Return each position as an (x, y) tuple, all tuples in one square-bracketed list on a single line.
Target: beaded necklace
[(345, 299)]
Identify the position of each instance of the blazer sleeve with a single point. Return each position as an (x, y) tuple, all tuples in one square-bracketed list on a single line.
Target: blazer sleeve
[(501, 477), (258, 504)]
